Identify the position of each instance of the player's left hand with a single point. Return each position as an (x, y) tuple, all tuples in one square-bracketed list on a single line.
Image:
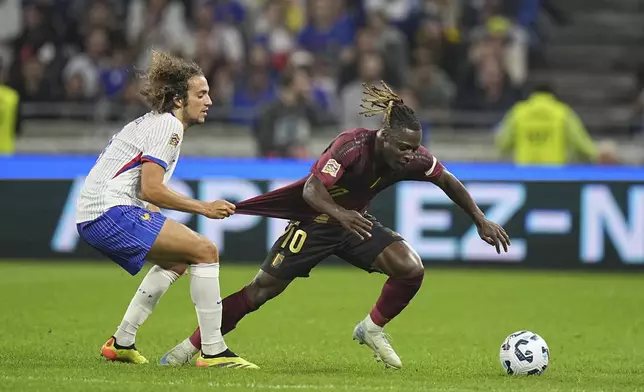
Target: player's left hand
[(493, 234)]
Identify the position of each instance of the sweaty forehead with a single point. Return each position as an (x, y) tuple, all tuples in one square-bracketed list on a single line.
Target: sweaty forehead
[(409, 136)]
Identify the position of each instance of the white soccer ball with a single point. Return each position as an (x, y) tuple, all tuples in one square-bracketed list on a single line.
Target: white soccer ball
[(524, 353)]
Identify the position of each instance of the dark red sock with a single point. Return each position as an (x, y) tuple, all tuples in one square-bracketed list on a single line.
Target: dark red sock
[(235, 307), (395, 296)]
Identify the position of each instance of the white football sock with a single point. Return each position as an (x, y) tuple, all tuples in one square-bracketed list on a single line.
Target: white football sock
[(371, 326), (187, 347), (204, 289), (152, 288)]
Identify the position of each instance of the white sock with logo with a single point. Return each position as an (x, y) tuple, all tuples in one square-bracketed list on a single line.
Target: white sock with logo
[(204, 289), (152, 288)]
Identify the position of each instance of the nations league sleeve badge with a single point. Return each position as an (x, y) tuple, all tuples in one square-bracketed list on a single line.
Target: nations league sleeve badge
[(332, 167), (174, 140)]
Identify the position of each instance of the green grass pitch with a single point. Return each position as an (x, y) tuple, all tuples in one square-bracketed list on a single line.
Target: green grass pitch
[(56, 316)]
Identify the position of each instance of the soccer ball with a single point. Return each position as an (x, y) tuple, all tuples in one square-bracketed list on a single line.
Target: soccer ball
[(524, 353)]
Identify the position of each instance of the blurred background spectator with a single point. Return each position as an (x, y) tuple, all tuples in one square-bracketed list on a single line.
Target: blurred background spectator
[(461, 63), (542, 130), (283, 128)]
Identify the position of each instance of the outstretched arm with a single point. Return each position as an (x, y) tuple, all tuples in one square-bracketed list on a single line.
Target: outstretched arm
[(489, 231), (457, 192), (156, 193)]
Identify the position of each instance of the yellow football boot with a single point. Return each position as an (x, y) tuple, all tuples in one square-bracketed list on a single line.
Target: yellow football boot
[(227, 359), (130, 354)]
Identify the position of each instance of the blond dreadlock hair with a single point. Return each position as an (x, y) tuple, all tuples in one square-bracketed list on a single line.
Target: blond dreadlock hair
[(385, 100)]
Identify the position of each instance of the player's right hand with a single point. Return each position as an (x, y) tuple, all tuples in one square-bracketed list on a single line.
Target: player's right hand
[(218, 209), (356, 223)]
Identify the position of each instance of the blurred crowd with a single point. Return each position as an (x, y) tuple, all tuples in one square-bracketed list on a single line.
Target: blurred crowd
[(281, 66), (637, 119)]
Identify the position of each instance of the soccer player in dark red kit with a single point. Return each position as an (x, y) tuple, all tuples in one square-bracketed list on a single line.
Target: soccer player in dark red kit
[(328, 217)]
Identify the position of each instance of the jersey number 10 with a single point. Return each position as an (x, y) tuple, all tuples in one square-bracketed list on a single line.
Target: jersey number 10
[(295, 238)]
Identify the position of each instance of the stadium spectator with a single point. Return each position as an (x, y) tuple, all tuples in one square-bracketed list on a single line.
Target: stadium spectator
[(398, 12), (272, 32), (222, 40), (441, 32), (526, 14), (87, 64), (159, 24), (430, 84), (222, 87), (476, 12), (9, 113), (448, 11), (244, 46), (492, 91), (230, 11), (330, 29), (75, 90), (391, 43), (294, 12), (254, 89), (32, 84), (507, 41), (284, 127), (324, 85), (366, 42), (543, 130), (132, 103), (11, 25), (113, 74), (38, 40), (430, 35), (370, 71), (98, 14)]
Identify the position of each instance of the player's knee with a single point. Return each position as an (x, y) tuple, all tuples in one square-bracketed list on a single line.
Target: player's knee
[(413, 267), (206, 252)]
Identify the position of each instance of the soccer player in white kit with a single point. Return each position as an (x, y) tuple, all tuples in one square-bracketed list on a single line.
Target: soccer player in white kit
[(118, 211)]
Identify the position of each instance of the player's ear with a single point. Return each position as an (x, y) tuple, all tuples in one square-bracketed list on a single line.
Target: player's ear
[(178, 101)]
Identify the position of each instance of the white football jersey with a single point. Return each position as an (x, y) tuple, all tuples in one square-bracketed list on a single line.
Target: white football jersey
[(115, 179)]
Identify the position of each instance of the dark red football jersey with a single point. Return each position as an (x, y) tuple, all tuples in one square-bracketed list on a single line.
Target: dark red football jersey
[(347, 168)]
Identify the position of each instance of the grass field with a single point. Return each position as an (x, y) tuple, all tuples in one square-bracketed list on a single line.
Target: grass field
[(55, 318)]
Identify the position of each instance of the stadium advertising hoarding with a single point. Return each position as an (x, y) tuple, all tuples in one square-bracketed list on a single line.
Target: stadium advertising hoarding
[(575, 217)]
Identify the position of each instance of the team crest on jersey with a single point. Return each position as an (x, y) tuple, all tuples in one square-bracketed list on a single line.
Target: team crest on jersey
[(277, 261), (332, 167), (146, 217), (174, 140)]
